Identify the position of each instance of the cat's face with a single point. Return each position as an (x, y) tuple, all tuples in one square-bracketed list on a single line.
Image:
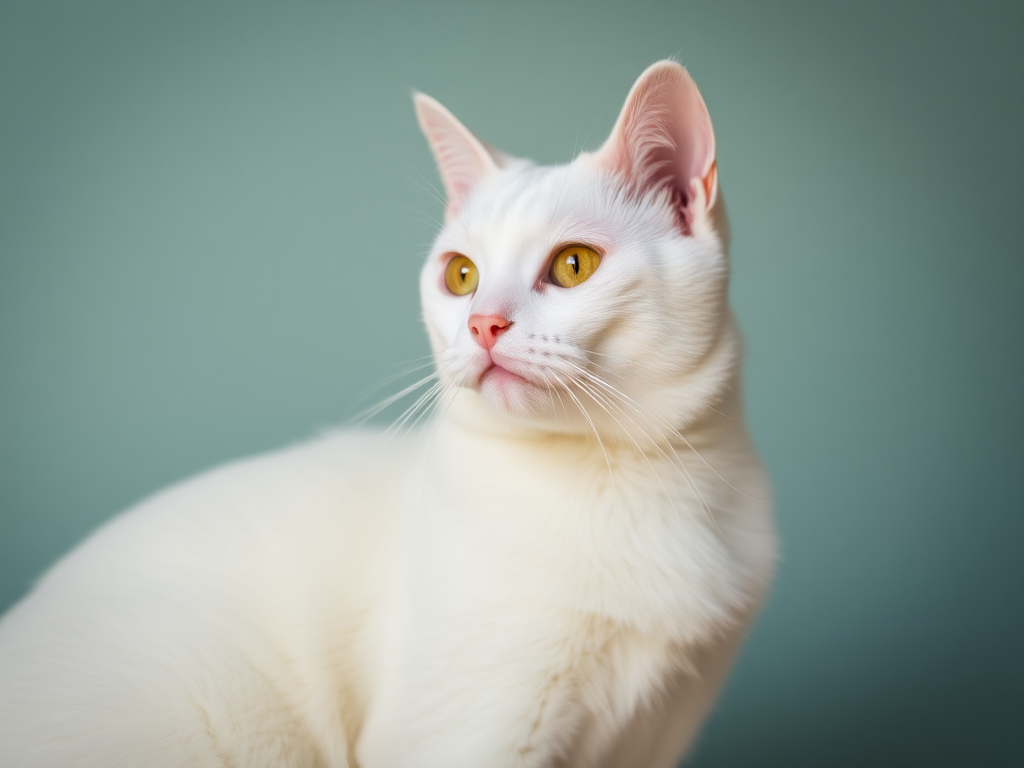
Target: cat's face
[(590, 296)]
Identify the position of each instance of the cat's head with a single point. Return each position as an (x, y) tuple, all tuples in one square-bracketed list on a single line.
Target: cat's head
[(588, 296)]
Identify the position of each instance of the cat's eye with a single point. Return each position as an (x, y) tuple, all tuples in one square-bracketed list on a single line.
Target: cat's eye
[(573, 265), (461, 276)]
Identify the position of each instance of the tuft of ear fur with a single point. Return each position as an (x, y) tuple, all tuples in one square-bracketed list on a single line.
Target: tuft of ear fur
[(663, 139), (462, 159)]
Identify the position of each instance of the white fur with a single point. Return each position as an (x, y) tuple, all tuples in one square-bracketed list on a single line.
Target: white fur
[(515, 584)]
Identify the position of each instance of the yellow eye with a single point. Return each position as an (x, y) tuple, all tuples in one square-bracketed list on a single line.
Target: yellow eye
[(573, 265), (460, 275)]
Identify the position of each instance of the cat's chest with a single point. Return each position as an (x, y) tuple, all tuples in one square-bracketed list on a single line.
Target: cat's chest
[(559, 523)]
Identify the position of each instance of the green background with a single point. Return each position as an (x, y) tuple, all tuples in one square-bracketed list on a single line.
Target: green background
[(211, 222)]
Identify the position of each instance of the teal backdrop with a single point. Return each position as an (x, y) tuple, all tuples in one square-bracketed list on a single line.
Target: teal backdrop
[(212, 216)]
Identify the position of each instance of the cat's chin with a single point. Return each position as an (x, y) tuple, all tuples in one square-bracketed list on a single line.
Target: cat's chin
[(510, 392)]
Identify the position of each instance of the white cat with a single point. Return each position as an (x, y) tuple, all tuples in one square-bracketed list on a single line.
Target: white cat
[(555, 571)]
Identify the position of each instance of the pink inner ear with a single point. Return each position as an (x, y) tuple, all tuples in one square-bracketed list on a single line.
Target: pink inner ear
[(664, 138), (462, 159)]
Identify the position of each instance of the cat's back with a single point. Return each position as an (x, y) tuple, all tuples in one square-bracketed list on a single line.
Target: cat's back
[(205, 611)]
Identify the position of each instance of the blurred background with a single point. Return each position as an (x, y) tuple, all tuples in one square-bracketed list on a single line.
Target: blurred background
[(212, 217)]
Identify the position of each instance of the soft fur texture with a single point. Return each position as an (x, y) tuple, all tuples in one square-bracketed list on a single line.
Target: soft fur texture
[(556, 570)]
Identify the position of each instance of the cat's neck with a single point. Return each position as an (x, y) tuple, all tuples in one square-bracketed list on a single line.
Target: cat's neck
[(470, 413), (577, 512)]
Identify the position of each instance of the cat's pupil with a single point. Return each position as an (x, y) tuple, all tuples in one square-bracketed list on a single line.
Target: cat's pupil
[(574, 262), (463, 273)]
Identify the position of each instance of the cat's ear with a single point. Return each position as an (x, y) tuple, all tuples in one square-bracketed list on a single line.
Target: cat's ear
[(663, 138), (462, 158)]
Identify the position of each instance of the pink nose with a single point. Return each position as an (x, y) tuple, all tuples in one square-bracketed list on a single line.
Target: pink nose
[(487, 328)]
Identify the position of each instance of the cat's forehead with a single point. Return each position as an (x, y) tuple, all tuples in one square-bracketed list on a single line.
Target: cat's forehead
[(528, 207)]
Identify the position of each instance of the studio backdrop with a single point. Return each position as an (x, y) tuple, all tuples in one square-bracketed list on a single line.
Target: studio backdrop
[(212, 217)]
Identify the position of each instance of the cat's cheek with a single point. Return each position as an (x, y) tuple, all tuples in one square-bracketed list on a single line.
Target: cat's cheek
[(443, 318)]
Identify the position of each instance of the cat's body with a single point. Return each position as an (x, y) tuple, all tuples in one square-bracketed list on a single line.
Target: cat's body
[(518, 583)]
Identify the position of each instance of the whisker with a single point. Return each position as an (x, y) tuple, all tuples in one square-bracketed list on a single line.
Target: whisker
[(425, 413), (587, 139), (390, 379), (361, 418), (555, 393), (638, 364), (432, 192), (600, 442), (421, 402), (685, 473), (593, 395), (424, 218), (672, 429), (437, 195), (680, 467)]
